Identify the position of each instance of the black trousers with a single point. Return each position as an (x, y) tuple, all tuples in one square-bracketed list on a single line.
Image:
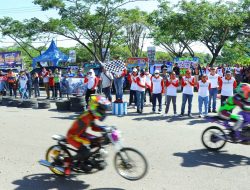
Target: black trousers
[(150, 95), (132, 97), (88, 94)]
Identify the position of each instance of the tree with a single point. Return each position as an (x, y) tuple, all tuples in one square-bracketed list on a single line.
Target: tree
[(216, 23), (172, 30), (24, 34), (96, 22), (135, 26)]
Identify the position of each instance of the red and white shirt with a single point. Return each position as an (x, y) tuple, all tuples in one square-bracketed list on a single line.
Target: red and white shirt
[(157, 85), (120, 74), (214, 80), (132, 80), (172, 87), (227, 86), (203, 88), (141, 83), (91, 81), (188, 85)]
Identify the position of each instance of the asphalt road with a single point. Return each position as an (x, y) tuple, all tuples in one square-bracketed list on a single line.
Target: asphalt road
[(172, 146)]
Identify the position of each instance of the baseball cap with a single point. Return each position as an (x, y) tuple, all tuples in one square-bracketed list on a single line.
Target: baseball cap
[(134, 70), (157, 71), (228, 72)]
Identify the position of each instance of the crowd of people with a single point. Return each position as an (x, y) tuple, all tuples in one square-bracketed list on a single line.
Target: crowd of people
[(157, 89)]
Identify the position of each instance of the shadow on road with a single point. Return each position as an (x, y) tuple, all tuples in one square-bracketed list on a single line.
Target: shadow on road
[(203, 157), (49, 181), (197, 121)]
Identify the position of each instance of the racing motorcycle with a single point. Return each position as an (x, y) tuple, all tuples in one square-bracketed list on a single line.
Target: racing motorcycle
[(214, 138), (129, 163)]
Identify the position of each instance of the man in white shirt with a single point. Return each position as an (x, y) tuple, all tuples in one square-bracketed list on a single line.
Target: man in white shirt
[(188, 83), (148, 86), (227, 84), (133, 86), (172, 85), (107, 80), (238, 74), (157, 90), (214, 80), (140, 92), (45, 76), (203, 92)]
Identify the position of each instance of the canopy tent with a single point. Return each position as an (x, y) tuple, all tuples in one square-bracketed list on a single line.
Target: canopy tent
[(52, 54)]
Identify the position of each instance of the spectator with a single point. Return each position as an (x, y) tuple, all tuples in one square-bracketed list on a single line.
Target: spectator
[(157, 90), (118, 81), (92, 82), (220, 71), (140, 92), (22, 83), (227, 84), (227, 68), (203, 92), (164, 67), (3, 86), (79, 73), (176, 69), (12, 82), (29, 83), (207, 70), (65, 86), (133, 87), (45, 76), (188, 83), (57, 80), (52, 83), (36, 84), (214, 80), (172, 85), (197, 72), (107, 80), (164, 76), (238, 74), (148, 86)]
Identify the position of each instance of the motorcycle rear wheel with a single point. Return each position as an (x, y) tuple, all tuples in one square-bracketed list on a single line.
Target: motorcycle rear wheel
[(216, 135), (125, 164), (56, 155)]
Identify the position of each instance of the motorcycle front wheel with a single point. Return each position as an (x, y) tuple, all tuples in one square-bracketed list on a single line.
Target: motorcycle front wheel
[(130, 164), (213, 138), (56, 156)]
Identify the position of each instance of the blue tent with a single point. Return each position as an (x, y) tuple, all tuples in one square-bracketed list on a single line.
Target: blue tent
[(52, 54)]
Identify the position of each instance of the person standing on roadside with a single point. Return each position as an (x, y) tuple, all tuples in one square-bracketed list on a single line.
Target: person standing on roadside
[(227, 84), (148, 86), (106, 80), (133, 87), (92, 83), (172, 85), (203, 86), (57, 80), (157, 91), (176, 69), (238, 74), (12, 82), (214, 80), (140, 92), (45, 76), (52, 83), (188, 83), (220, 71), (35, 83), (164, 76)]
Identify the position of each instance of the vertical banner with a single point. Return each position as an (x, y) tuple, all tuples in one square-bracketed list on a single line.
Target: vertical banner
[(72, 56), (151, 54), (43, 64)]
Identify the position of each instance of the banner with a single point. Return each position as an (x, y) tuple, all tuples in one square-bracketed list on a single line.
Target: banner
[(151, 54), (135, 61), (157, 66), (76, 86), (10, 59), (186, 63)]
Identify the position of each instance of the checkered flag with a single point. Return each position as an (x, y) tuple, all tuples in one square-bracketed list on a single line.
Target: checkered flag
[(115, 66)]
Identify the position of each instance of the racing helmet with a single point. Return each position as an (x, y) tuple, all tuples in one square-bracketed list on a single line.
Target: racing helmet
[(243, 90), (98, 106)]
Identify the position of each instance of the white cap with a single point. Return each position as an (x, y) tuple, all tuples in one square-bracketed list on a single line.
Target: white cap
[(134, 70), (157, 71), (91, 71)]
